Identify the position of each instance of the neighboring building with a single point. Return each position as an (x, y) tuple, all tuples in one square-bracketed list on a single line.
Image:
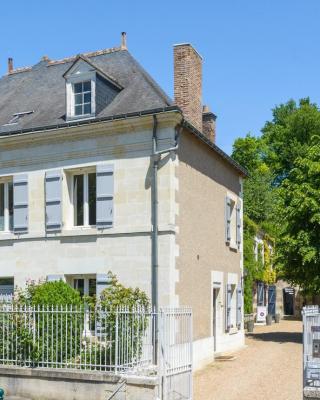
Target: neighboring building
[(78, 196), (278, 297)]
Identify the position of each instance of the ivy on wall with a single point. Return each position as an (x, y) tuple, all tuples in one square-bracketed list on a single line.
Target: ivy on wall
[(256, 269)]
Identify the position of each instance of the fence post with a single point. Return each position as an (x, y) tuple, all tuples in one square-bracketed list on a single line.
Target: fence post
[(116, 341)]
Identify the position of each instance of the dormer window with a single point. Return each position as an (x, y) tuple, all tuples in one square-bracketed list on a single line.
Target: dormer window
[(82, 98), (88, 90)]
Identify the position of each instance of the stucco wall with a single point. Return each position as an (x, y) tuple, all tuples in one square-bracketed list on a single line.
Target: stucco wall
[(204, 180), (124, 249)]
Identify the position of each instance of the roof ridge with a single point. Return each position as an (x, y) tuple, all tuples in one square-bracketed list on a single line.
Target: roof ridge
[(88, 54), (19, 70)]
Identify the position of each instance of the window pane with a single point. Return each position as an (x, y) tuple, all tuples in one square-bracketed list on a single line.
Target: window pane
[(78, 110), (92, 287), (92, 198), (87, 98), (87, 108), (78, 99), (78, 87), (79, 286), (87, 86), (10, 204), (6, 286), (1, 207), (78, 200)]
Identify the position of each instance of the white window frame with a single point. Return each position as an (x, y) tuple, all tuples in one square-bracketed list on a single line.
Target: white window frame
[(85, 172), (71, 81), (6, 182), (86, 279)]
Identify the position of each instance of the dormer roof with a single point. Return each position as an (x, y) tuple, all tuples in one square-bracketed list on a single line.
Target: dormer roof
[(83, 64)]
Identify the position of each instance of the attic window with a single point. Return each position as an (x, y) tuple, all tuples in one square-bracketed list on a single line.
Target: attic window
[(17, 116), (82, 98)]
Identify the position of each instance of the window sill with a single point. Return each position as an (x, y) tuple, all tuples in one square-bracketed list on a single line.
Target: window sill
[(232, 246), (88, 231), (80, 117)]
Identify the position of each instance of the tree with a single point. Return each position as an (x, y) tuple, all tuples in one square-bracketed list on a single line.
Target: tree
[(299, 213), (288, 136), (258, 197)]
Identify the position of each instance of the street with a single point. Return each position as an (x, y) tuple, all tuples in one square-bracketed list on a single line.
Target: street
[(269, 368)]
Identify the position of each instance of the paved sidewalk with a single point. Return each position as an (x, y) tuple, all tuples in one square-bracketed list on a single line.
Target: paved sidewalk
[(270, 368)]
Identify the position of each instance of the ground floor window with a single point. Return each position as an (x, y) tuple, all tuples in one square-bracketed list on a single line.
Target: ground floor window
[(6, 206), (6, 286)]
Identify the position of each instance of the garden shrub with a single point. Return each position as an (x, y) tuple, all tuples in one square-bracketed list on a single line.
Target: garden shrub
[(36, 334)]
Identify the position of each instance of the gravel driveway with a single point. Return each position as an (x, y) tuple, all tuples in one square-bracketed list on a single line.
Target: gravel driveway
[(270, 368)]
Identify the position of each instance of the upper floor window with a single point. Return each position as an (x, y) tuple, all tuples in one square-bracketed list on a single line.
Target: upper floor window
[(82, 98), (84, 199), (233, 226), (6, 206)]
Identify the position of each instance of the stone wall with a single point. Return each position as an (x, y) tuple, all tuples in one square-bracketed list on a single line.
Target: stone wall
[(50, 384), (125, 249)]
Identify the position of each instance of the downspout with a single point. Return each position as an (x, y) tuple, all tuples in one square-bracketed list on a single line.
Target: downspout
[(156, 156), (154, 240), (155, 165)]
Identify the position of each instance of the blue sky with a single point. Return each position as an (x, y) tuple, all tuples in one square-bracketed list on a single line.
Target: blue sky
[(256, 53)]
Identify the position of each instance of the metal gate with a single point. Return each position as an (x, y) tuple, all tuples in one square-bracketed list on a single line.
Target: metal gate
[(175, 344), (272, 296), (311, 350)]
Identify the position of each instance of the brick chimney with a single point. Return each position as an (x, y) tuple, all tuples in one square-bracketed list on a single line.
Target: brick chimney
[(188, 83), (209, 124), (10, 65)]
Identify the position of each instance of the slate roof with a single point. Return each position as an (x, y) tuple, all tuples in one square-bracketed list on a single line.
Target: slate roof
[(41, 89)]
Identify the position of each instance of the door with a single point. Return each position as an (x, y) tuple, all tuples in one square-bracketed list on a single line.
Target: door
[(288, 301), (215, 295), (272, 300)]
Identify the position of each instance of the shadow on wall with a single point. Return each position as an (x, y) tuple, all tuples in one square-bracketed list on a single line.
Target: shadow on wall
[(279, 337)]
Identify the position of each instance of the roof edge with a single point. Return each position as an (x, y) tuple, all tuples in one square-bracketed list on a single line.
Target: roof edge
[(216, 148)]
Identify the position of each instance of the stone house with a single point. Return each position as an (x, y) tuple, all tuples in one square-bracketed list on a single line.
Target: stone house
[(101, 171)]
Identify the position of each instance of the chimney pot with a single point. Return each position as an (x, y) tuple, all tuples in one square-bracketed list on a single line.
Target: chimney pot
[(188, 83), (10, 65), (209, 124), (124, 40)]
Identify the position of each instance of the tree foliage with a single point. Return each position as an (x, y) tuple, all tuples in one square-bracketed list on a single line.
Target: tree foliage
[(299, 211), (258, 191), (282, 193)]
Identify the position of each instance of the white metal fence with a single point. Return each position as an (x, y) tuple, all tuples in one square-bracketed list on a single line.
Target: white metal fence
[(119, 341), (311, 346), (176, 353)]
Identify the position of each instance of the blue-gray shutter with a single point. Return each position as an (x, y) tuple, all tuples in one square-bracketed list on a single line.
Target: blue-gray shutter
[(57, 277), (239, 306), (260, 294), (20, 203), (239, 224), (228, 219), (102, 282), (105, 194), (53, 200), (228, 307)]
